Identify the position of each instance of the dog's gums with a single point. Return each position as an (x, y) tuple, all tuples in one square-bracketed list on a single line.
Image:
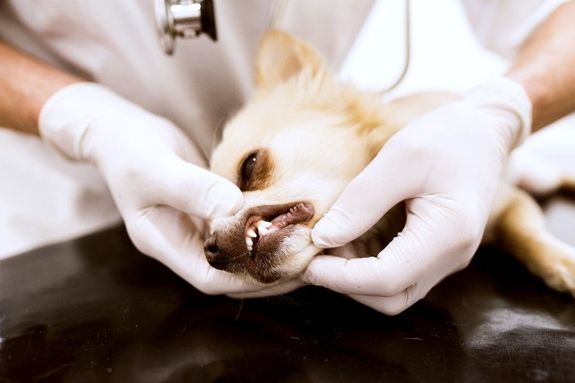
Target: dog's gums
[(259, 228)]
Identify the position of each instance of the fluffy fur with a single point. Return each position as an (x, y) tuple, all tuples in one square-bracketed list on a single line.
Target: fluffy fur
[(300, 141)]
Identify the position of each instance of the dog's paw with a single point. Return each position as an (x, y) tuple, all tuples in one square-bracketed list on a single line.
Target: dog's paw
[(558, 271)]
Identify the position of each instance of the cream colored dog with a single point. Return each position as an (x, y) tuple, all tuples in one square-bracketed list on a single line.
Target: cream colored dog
[(296, 145)]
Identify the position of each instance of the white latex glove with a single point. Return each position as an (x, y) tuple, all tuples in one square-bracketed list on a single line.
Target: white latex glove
[(546, 161), (156, 176), (446, 165)]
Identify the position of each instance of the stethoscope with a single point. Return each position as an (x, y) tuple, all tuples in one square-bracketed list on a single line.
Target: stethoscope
[(184, 19), (190, 18)]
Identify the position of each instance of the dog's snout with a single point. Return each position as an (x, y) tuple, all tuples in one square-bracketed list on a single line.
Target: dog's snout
[(213, 253)]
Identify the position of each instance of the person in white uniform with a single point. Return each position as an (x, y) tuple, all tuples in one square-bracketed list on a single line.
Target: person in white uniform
[(88, 78)]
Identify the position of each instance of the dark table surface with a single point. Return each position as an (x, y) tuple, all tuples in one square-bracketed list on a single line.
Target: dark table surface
[(95, 310)]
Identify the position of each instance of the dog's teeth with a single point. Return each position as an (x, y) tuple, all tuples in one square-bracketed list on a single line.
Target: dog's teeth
[(249, 242), (252, 233), (263, 227)]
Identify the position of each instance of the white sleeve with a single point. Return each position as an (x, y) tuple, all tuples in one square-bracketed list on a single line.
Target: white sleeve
[(503, 25)]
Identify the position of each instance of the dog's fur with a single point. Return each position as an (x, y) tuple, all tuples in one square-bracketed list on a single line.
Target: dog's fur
[(302, 138)]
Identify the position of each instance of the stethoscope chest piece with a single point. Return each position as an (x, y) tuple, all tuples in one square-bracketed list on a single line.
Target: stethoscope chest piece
[(185, 19)]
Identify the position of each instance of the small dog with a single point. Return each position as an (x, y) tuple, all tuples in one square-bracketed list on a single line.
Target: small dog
[(297, 144)]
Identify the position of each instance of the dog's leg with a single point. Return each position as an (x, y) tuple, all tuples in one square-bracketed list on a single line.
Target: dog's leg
[(520, 229)]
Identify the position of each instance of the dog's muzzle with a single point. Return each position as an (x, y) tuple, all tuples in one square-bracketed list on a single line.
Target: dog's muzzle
[(251, 243)]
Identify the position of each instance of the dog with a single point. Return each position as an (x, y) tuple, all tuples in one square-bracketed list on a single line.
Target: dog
[(301, 139)]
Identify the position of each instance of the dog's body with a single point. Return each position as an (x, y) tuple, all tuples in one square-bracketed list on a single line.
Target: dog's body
[(301, 140)]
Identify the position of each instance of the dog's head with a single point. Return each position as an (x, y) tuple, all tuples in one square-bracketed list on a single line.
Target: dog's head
[(291, 150)]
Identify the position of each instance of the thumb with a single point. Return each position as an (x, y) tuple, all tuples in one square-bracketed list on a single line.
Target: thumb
[(362, 204), (196, 191)]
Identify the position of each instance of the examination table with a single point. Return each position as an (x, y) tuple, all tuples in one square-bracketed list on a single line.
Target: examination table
[(95, 310)]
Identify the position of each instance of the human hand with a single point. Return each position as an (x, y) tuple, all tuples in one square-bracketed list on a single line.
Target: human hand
[(446, 166), (156, 176)]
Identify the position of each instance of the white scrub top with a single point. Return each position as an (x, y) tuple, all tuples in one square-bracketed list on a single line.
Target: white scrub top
[(502, 25), (44, 198)]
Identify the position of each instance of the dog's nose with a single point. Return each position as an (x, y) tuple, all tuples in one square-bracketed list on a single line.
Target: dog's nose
[(213, 254)]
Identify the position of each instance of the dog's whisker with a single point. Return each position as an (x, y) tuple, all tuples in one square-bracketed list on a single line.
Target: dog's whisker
[(241, 306)]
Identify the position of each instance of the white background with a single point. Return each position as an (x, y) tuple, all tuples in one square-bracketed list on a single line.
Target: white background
[(445, 53)]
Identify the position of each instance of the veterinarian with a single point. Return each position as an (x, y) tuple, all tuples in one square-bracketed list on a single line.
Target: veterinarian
[(89, 79)]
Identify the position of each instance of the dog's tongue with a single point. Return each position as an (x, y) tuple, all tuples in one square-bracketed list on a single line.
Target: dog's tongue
[(301, 212)]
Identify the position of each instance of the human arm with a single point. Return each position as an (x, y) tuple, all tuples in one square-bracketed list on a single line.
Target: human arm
[(445, 166), (25, 85), (545, 67)]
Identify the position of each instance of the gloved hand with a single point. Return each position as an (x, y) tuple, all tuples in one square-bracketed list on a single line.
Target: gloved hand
[(156, 176), (446, 165)]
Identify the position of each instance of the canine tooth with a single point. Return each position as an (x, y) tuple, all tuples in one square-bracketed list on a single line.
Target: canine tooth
[(252, 233), (249, 242), (262, 230), (263, 223)]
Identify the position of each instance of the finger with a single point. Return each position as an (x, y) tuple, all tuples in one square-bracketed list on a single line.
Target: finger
[(393, 305), (365, 200), (169, 237), (348, 251), (280, 289), (427, 247), (363, 276), (196, 191)]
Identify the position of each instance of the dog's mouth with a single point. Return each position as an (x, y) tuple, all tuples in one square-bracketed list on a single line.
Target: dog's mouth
[(267, 233), (267, 224)]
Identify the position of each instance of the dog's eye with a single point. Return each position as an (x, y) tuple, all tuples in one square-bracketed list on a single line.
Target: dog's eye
[(255, 170), (248, 166)]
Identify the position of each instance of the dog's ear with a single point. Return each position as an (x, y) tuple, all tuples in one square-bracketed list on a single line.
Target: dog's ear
[(282, 56)]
